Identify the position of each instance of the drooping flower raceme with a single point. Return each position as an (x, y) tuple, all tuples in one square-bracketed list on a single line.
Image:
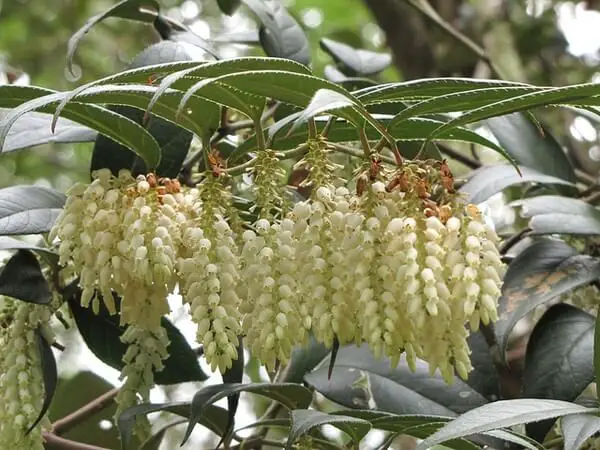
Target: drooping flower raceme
[(21, 378)]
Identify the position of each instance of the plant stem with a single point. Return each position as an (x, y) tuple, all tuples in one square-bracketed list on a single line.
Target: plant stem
[(513, 240), (364, 142), (312, 128), (288, 154), (85, 412), (357, 153), (52, 441)]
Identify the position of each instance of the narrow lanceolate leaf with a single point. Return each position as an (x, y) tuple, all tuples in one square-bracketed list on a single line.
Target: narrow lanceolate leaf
[(102, 334), (531, 146), (290, 395), (358, 61), (22, 278), (578, 428), (425, 88), (489, 180), (304, 420), (125, 9), (541, 272), (25, 99), (359, 380), (33, 129), (288, 41), (502, 414), (553, 96), (558, 364), (554, 214), (29, 209), (49, 373), (214, 418), (233, 375), (154, 442)]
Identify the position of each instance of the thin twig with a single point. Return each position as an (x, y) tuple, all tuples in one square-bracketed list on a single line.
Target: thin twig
[(53, 441), (58, 346), (357, 153), (461, 158), (69, 421)]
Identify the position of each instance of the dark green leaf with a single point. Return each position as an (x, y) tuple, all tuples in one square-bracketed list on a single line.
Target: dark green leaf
[(541, 272), (484, 376), (304, 420), (22, 278), (29, 209), (288, 41), (561, 215), (125, 9), (233, 375), (214, 417), (154, 442), (174, 141), (489, 180), (360, 62), (502, 414), (24, 99), (359, 380), (102, 333), (558, 364), (8, 243), (578, 428), (303, 360), (228, 6), (34, 129), (50, 375), (290, 395), (531, 146), (280, 423)]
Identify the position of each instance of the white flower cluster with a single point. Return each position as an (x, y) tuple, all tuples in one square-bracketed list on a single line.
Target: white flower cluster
[(402, 266), (21, 378)]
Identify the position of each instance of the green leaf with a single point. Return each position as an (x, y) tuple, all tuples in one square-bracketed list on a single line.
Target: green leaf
[(34, 129), (303, 360), (558, 364), (174, 141), (214, 417), (24, 99), (502, 414), (8, 243), (484, 376), (541, 272), (29, 209), (102, 333), (554, 214), (290, 395), (360, 62), (324, 100), (359, 380), (22, 278), (228, 6), (288, 40), (578, 428), (125, 9), (425, 88), (531, 146), (233, 375), (154, 442), (489, 180), (304, 420), (50, 376), (552, 96)]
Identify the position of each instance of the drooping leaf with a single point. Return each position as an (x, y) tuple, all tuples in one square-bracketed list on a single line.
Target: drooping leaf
[(558, 364), (303, 360), (173, 141), (228, 6), (233, 375), (359, 380), (531, 146), (49, 373), (502, 414), (359, 62), (22, 278), (29, 209), (489, 180), (304, 420), (288, 41), (34, 129), (125, 9), (290, 395), (9, 243), (578, 428), (214, 417), (555, 214), (541, 272), (102, 333), (484, 376), (24, 99)]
